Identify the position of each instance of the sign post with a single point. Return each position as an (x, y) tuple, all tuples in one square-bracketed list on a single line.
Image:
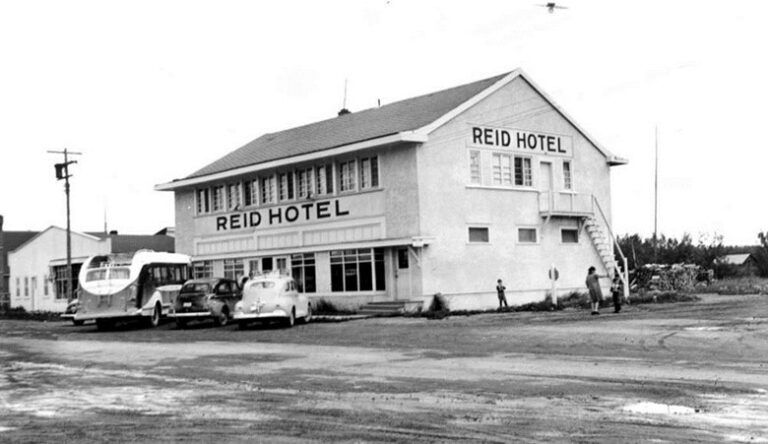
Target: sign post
[(554, 275)]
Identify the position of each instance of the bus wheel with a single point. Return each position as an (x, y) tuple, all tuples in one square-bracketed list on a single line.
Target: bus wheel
[(154, 321), (222, 318)]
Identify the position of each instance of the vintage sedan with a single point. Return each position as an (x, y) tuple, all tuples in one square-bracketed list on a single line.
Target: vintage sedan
[(70, 312), (272, 297), (200, 299)]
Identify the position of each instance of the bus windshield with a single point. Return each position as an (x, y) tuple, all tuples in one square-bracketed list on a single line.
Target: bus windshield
[(103, 274), (261, 284)]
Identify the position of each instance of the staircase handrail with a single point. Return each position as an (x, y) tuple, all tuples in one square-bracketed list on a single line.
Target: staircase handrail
[(625, 275)]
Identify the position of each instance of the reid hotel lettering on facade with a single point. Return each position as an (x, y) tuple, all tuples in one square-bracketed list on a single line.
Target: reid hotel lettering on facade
[(441, 193)]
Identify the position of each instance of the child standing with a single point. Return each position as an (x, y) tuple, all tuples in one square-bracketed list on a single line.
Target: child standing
[(500, 293)]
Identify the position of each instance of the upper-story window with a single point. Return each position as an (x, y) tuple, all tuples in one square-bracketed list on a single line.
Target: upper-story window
[(474, 167), (369, 173), (217, 198), (203, 200), (250, 192), (324, 179), (304, 182), (502, 169), (567, 175), (286, 186), (268, 190), (523, 174), (347, 172), (233, 196)]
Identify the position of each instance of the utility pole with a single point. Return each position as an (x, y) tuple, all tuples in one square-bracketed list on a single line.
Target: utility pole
[(62, 172), (656, 200)]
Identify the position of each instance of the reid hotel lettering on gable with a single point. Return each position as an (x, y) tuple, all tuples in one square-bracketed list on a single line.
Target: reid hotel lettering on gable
[(526, 141)]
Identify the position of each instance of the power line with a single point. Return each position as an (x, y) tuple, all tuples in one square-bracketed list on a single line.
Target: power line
[(62, 172)]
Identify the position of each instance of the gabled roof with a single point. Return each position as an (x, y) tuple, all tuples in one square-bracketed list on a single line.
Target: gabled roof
[(409, 120), (121, 243), (735, 259), (52, 227), (12, 239)]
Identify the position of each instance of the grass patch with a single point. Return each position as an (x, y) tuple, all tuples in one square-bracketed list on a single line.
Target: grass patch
[(734, 286)]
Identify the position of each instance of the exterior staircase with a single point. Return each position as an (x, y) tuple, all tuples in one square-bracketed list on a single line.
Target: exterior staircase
[(603, 243)]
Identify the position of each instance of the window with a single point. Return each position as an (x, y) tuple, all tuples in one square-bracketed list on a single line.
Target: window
[(203, 201), (217, 198), (202, 269), (567, 178), (26, 286), (268, 190), (304, 183), (569, 235), (233, 268), (324, 179), (369, 173), (474, 167), (286, 186), (233, 196), (303, 270), (347, 176), (523, 175), (357, 270), (45, 285), (478, 234), (266, 264), (527, 235), (502, 169), (250, 192), (253, 267), (18, 287)]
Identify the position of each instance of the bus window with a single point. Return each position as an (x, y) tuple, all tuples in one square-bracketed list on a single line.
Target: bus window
[(96, 275), (119, 273)]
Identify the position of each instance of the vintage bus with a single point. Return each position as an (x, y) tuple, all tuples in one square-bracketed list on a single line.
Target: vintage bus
[(122, 286)]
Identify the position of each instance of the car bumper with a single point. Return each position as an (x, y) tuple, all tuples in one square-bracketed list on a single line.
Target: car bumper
[(191, 315), (242, 316), (67, 316)]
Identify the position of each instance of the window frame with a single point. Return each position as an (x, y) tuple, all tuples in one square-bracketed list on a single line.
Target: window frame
[(526, 180), (475, 154), (206, 195), (568, 175), (371, 173), (484, 228), (347, 180), (578, 236), (536, 233)]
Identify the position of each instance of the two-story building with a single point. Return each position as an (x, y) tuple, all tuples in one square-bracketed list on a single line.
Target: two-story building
[(441, 193)]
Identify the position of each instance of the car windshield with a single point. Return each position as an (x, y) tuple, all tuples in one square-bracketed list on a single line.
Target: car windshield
[(196, 288), (261, 284)]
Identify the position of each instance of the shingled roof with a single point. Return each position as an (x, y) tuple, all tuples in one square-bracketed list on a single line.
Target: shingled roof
[(405, 115)]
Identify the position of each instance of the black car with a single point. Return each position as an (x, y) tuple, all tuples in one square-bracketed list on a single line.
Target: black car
[(205, 299)]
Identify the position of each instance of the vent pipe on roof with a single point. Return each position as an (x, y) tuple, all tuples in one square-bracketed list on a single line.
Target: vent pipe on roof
[(113, 233), (344, 111)]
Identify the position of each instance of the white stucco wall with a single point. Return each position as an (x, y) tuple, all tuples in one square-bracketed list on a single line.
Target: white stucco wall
[(32, 260), (466, 273)]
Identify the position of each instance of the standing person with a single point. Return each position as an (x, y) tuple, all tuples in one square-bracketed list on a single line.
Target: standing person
[(617, 291), (595, 293), (500, 293)]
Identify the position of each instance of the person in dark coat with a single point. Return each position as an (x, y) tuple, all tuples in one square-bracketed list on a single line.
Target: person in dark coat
[(500, 293), (617, 292), (595, 293)]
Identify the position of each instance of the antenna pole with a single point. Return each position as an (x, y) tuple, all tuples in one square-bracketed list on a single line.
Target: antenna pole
[(656, 199), (62, 172), (344, 105)]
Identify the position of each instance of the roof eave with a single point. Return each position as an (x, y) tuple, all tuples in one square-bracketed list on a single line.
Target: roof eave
[(401, 137)]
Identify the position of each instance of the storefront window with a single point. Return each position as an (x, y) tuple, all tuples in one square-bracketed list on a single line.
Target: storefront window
[(303, 270), (357, 270), (233, 268), (202, 269)]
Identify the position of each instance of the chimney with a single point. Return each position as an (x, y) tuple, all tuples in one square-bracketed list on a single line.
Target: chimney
[(113, 233), (344, 111)]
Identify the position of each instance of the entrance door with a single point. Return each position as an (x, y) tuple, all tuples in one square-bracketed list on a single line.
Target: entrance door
[(402, 274), (545, 183)]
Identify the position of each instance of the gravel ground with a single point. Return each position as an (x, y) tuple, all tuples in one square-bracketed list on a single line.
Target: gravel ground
[(659, 372)]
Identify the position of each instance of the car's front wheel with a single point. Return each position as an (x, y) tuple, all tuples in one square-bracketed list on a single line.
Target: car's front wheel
[(154, 320)]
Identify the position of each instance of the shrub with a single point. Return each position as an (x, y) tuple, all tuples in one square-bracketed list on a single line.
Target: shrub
[(326, 307)]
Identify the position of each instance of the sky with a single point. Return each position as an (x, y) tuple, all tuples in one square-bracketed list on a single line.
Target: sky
[(150, 91)]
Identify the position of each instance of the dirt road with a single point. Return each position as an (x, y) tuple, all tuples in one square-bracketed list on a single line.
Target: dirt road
[(667, 373)]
